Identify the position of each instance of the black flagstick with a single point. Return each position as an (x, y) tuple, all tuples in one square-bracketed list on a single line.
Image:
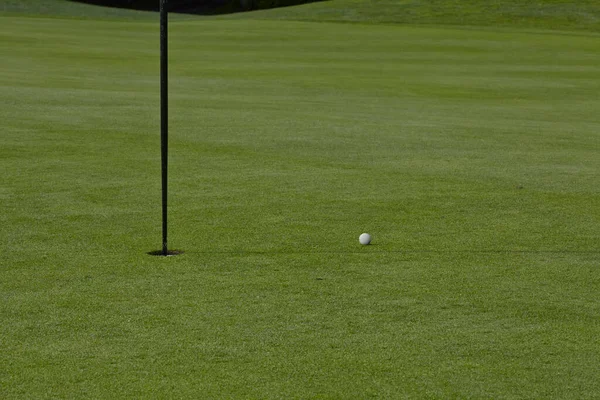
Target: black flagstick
[(164, 115)]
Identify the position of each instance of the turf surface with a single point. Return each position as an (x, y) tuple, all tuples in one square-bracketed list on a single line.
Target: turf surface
[(540, 14), (470, 155)]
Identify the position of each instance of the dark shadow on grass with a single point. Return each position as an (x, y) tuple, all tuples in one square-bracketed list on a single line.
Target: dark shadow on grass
[(198, 7), (160, 253)]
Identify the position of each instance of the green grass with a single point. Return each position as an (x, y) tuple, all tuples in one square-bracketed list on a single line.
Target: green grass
[(470, 155), (545, 14), (66, 8)]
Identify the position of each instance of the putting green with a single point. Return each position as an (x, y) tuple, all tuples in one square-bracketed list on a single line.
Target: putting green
[(469, 155)]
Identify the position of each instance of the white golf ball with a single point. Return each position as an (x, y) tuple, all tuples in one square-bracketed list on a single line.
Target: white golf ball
[(365, 238)]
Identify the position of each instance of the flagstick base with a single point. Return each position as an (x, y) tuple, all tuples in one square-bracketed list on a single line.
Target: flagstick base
[(169, 253)]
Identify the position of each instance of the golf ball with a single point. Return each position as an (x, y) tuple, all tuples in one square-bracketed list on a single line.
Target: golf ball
[(365, 238)]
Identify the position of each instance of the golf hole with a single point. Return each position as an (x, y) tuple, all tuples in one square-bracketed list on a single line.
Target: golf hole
[(169, 253)]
